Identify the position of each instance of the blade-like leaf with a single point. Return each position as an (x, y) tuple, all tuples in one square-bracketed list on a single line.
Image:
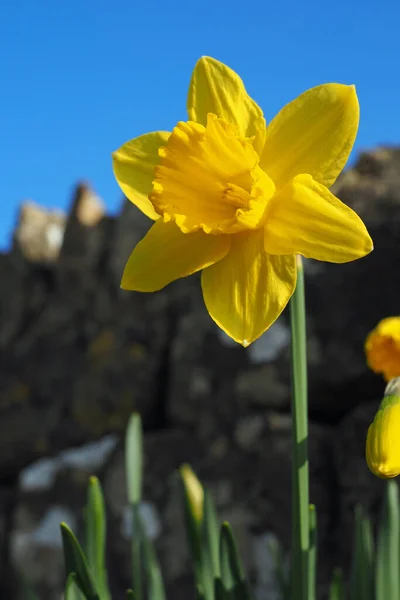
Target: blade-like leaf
[(72, 591), (280, 571), (75, 562), (312, 553), (193, 495), (136, 548), (25, 589), (96, 537), (337, 590), (361, 585), (134, 458), (155, 584), (387, 555), (209, 535), (369, 558), (134, 475), (232, 573), (220, 593), (231, 566)]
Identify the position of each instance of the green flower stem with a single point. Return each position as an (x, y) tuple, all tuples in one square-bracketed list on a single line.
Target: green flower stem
[(300, 484)]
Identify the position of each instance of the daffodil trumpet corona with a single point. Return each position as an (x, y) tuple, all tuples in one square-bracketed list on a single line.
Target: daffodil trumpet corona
[(383, 437), (237, 199), (382, 348)]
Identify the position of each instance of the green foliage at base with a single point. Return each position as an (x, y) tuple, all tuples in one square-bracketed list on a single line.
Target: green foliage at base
[(217, 568)]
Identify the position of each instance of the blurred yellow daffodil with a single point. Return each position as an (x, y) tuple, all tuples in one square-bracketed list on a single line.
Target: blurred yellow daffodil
[(194, 492), (382, 348), (383, 439), (238, 199)]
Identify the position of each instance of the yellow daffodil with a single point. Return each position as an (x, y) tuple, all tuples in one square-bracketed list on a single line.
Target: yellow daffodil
[(238, 199), (383, 438), (382, 348)]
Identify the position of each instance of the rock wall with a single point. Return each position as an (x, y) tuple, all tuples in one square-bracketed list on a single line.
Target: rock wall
[(78, 355)]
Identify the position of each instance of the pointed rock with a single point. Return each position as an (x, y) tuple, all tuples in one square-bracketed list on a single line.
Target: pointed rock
[(85, 233)]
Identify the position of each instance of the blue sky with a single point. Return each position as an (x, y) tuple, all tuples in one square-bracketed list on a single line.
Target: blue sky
[(80, 77)]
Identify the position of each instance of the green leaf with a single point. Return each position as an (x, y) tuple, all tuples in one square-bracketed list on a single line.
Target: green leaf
[(361, 586), (24, 588), (130, 595), (72, 591), (75, 562), (220, 593), (210, 534), (231, 566), (312, 553), (337, 590), (232, 573), (134, 458), (136, 548), (193, 494), (388, 547), (96, 537), (155, 584), (369, 558), (280, 571), (134, 476)]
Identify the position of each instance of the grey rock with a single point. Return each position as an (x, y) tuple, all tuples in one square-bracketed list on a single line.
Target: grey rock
[(40, 232), (41, 475), (213, 381), (129, 229), (85, 236)]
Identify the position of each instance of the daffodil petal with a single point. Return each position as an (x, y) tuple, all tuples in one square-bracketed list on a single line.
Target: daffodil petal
[(306, 218), (134, 165), (215, 88), (166, 254), (247, 290), (313, 134)]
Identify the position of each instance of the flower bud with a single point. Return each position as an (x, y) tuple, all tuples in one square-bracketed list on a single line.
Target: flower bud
[(194, 491), (383, 437), (382, 348)]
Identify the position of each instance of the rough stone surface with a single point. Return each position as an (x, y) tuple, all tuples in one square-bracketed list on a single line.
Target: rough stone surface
[(78, 355), (87, 229), (39, 234)]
